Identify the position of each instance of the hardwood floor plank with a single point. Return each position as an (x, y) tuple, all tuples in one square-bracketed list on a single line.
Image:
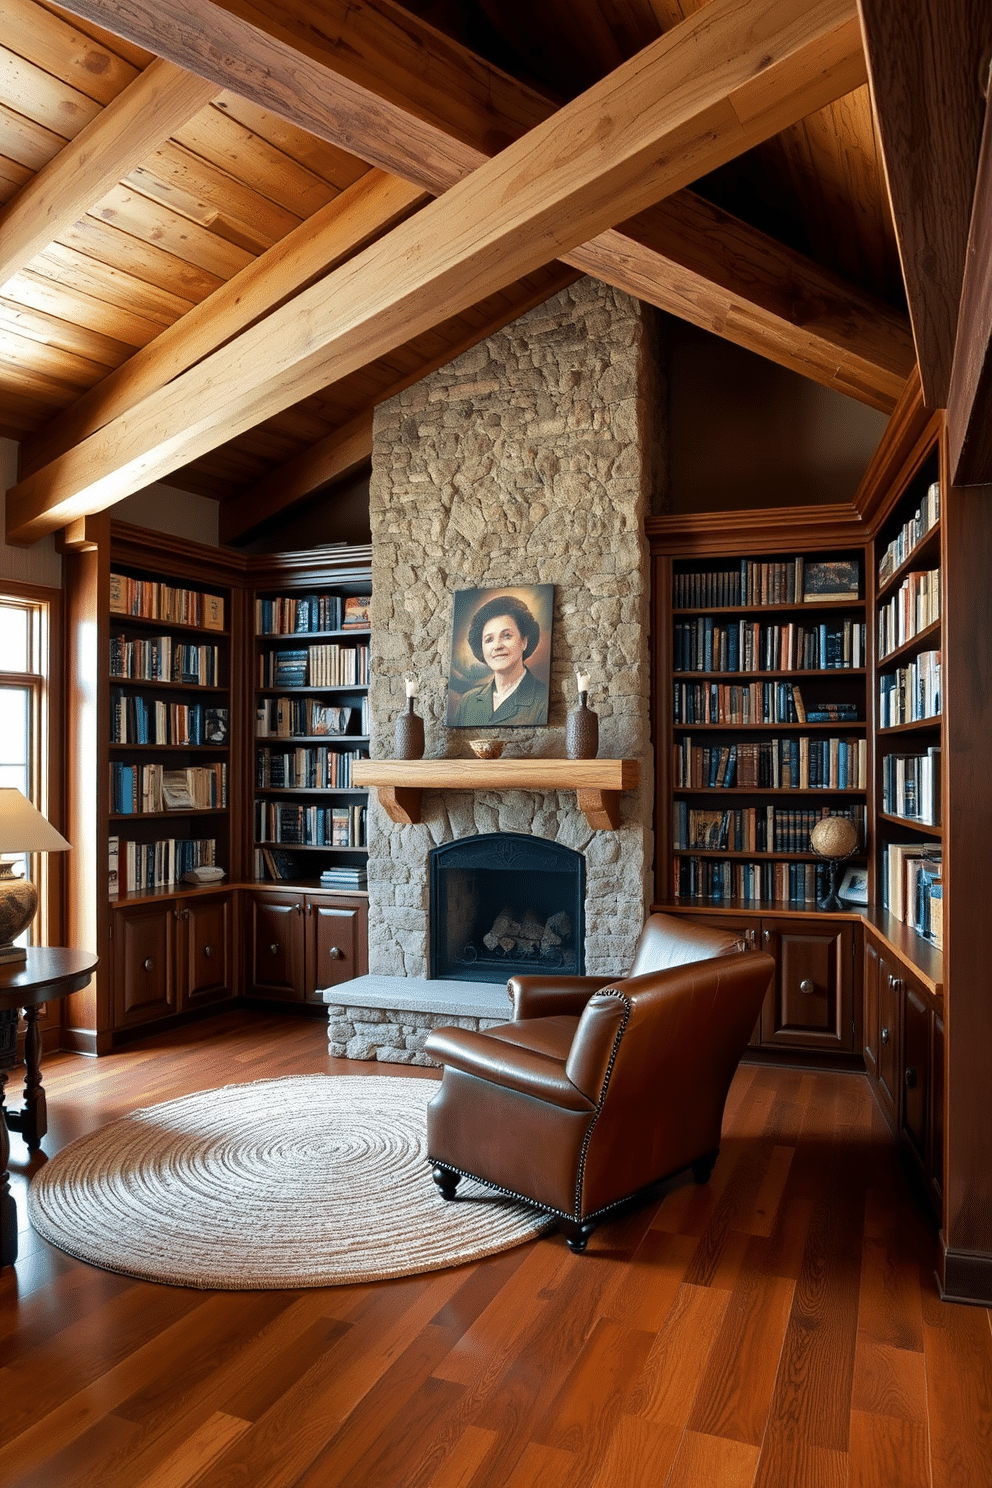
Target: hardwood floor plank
[(579, 1418), (198, 1452), (464, 1459), (959, 1390), (736, 1389), (712, 1459), (888, 1450), (667, 1386)]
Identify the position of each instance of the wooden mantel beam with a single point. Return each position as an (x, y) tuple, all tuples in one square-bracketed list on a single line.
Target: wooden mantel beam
[(159, 101), (714, 86)]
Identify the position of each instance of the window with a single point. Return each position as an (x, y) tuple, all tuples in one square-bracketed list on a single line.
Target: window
[(27, 759)]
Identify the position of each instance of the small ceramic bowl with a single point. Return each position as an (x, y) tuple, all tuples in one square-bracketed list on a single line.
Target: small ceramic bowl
[(486, 748)]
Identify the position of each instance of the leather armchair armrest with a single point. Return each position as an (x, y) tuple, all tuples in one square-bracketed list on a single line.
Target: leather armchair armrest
[(549, 996), (595, 1039), (525, 1070)]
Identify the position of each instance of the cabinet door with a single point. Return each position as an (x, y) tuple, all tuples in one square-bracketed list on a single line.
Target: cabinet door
[(811, 1004), (337, 943), (872, 972), (935, 1155), (916, 1070), (144, 983), (887, 1069), (205, 928), (276, 946)]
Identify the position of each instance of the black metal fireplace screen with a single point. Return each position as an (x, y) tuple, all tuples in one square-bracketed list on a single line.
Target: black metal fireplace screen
[(503, 903)]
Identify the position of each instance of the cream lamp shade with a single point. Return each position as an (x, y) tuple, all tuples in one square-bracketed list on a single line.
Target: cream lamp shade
[(23, 829)]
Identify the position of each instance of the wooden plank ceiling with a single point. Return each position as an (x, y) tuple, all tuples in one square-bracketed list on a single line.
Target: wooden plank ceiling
[(226, 181)]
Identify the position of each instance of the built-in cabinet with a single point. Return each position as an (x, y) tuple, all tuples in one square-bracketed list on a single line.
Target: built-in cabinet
[(170, 956), (301, 942)]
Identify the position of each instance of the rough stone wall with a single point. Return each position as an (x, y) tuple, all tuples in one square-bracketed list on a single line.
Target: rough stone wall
[(391, 1037), (529, 459)]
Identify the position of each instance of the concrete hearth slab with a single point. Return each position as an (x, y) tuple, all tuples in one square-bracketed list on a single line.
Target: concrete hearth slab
[(418, 995)]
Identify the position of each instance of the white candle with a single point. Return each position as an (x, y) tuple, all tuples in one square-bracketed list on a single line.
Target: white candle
[(411, 687), (582, 681)]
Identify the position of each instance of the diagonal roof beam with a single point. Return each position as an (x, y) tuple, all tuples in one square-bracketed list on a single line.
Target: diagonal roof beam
[(730, 76), (356, 217), (159, 101), (387, 87)]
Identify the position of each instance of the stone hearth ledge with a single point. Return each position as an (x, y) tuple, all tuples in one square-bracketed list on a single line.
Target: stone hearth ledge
[(388, 1018)]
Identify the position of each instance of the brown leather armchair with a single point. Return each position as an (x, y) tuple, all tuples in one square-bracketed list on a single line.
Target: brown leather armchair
[(599, 1088)]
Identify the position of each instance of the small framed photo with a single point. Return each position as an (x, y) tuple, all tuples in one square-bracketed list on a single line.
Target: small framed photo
[(828, 581), (854, 886)]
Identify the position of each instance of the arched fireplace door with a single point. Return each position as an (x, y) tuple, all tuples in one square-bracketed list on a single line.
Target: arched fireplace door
[(503, 903)]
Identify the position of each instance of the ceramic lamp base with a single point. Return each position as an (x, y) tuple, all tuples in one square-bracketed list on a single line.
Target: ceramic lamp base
[(18, 902)]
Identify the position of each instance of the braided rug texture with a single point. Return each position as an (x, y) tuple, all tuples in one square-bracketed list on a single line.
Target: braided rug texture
[(307, 1181)]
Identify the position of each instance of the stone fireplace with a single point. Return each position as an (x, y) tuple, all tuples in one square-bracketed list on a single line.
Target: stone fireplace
[(529, 459)]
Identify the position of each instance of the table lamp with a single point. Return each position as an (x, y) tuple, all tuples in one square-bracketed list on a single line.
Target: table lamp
[(834, 838), (22, 829)]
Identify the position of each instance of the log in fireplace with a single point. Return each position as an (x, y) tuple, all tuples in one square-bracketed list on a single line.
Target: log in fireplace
[(503, 903)]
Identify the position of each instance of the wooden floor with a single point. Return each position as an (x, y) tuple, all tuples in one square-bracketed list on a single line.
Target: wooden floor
[(779, 1327)]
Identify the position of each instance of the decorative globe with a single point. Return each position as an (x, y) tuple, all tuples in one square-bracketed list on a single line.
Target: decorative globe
[(834, 837)]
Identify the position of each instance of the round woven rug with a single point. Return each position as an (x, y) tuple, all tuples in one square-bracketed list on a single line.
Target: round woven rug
[(308, 1181)]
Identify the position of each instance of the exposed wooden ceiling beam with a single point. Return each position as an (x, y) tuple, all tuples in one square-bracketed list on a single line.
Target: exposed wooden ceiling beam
[(969, 402), (459, 110), (698, 262), (360, 214), (924, 60), (711, 88), (159, 101)]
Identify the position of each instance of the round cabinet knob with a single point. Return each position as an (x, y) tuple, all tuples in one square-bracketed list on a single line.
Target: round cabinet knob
[(807, 985), (149, 963), (274, 948), (335, 954), (208, 950), (885, 1035)]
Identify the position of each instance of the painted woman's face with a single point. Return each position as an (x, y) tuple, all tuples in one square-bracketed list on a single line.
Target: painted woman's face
[(503, 646)]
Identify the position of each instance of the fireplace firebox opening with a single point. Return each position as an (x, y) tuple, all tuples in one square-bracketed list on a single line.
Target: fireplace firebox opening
[(502, 903)]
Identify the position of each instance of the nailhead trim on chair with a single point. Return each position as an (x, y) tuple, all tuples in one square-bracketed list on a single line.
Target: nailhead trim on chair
[(549, 1208), (603, 992)]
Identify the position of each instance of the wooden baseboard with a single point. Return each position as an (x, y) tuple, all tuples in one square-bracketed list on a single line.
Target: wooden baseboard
[(964, 1276)]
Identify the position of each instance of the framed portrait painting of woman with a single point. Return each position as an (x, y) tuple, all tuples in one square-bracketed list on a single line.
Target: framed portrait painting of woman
[(500, 657)]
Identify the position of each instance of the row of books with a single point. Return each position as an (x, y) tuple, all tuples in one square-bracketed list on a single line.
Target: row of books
[(326, 664), (139, 720), (137, 866), (306, 718), (296, 614), (704, 645), (912, 887), (716, 881), (151, 788), (150, 600), (754, 703), (911, 693), (751, 828), (911, 786), (306, 767), (911, 534), (345, 876), (769, 581), (773, 764), (914, 606), (311, 826), (163, 659)]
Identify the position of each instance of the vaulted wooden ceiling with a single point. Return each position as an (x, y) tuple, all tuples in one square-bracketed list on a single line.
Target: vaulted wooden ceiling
[(230, 229)]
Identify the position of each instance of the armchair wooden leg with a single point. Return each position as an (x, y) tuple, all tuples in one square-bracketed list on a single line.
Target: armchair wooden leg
[(446, 1181), (702, 1168), (576, 1234)]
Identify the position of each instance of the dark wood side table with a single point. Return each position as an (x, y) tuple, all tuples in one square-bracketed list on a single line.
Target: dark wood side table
[(48, 974)]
